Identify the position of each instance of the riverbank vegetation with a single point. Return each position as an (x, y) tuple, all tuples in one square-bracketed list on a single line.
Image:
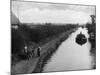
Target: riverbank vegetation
[(38, 34), (92, 39)]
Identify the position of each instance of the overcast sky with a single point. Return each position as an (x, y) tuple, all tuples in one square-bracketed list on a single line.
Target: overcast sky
[(33, 12)]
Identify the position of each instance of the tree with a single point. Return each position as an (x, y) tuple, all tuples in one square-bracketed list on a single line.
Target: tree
[(93, 19)]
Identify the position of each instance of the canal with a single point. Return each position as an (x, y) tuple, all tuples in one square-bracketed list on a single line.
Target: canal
[(70, 55)]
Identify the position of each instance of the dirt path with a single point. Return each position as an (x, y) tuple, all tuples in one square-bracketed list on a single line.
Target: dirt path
[(28, 66)]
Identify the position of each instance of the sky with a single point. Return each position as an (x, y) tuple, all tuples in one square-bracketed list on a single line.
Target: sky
[(34, 12)]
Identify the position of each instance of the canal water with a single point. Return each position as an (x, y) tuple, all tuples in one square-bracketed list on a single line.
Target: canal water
[(70, 55)]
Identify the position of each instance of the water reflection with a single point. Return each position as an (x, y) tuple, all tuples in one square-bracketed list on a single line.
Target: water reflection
[(70, 55)]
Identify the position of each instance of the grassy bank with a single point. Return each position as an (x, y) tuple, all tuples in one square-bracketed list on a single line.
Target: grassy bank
[(48, 45), (39, 35)]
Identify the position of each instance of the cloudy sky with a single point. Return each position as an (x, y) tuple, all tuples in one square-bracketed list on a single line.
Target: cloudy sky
[(33, 12)]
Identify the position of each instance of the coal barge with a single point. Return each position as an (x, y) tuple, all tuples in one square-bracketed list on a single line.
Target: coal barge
[(81, 39)]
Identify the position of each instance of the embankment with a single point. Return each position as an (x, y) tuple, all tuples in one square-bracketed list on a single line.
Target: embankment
[(36, 64)]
